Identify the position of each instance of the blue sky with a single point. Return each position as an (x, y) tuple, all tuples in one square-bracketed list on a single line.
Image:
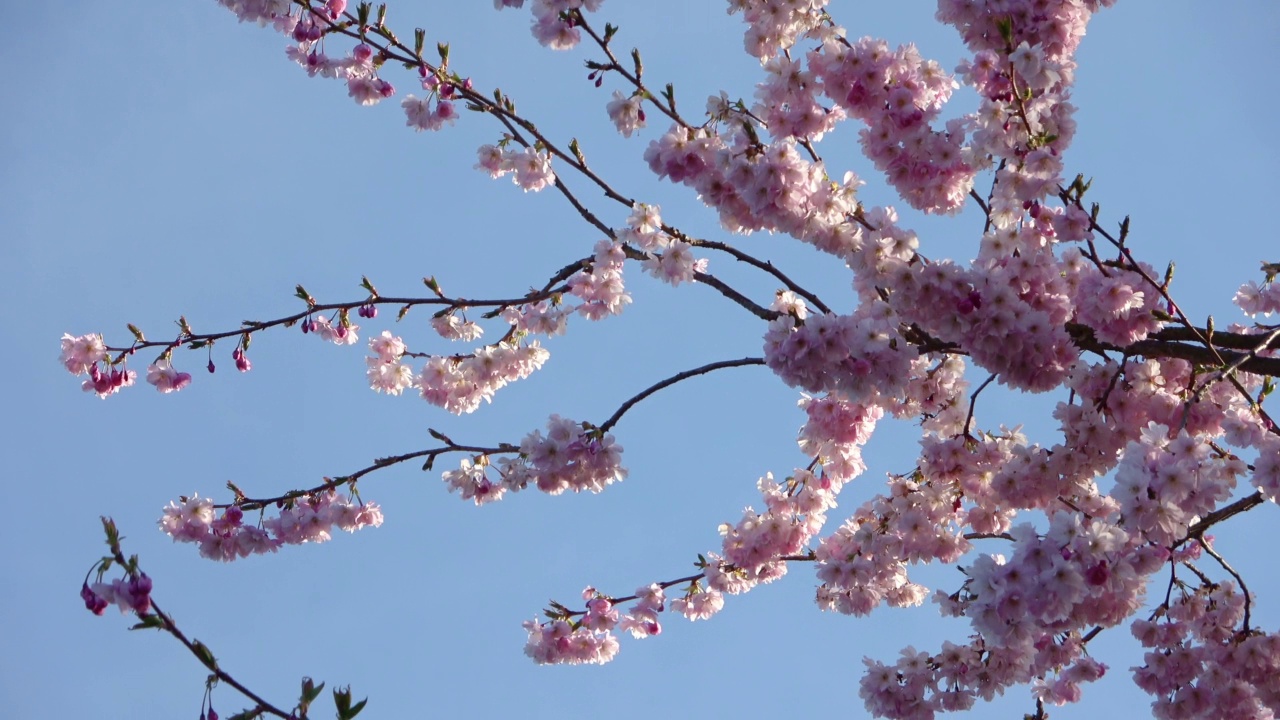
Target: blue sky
[(171, 161)]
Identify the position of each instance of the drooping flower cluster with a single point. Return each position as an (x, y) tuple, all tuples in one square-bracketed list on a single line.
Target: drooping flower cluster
[(601, 289), (1201, 665), (386, 372), (460, 384), (861, 356), (1164, 484), (1255, 299), (130, 594), (775, 25), (897, 94), (226, 537), (1119, 306), (571, 456), (529, 168), (666, 258)]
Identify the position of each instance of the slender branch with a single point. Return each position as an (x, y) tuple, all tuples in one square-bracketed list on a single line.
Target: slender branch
[(1244, 504), (246, 503), (764, 265), (198, 649), (973, 399), (726, 567), (709, 367), (1226, 566)]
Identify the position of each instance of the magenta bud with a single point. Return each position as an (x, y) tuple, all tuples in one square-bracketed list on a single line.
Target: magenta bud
[(233, 514), (213, 714), (362, 52), (467, 84), (92, 602), (342, 331), (306, 326), (242, 363), (386, 89), (210, 367)]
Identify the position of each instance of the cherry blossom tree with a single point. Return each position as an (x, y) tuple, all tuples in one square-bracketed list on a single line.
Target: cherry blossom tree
[(1162, 431)]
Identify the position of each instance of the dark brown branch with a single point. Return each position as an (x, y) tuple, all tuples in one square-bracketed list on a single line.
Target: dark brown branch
[(709, 367)]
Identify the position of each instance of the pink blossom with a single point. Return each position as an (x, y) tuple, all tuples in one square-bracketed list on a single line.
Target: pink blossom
[(166, 379)]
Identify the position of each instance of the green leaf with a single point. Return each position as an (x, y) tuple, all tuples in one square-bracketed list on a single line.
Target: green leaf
[(149, 621), (205, 655)]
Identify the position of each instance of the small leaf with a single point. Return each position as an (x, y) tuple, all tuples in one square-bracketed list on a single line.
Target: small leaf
[(149, 621), (205, 655)]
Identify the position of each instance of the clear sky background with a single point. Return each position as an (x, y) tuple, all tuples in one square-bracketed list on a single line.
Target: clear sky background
[(169, 161)]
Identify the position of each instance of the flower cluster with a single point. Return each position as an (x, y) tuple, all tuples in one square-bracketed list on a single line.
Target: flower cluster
[(1120, 306), (1164, 484), (759, 187), (897, 94), (775, 25), (665, 257), (386, 372), (460, 384), (225, 537), (601, 288), (627, 113), (1255, 299), (861, 356), (131, 594), (1201, 666), (529, 169), (571, 456)]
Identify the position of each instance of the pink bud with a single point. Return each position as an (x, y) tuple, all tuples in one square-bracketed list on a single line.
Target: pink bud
[(362, 52), (385, 88), (335, 9)]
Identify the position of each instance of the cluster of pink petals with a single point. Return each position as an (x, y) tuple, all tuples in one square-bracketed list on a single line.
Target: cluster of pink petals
[(225, 537), (385, 371), (549, 28), (626, 112), (601, 288), (1201, 666), (666, 258), (131, 594), (343, 332), (1255, 299), (428, 113), (1164, 485), (571, 456), (862, 356), (165, 378), (863, 563), (87, 355), (460, 384), (562, 642), (81, 353), (1119, 306), (775, 25), (897, 94), (529, 168), (258, 11), (754, 187), (1008, 311)]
